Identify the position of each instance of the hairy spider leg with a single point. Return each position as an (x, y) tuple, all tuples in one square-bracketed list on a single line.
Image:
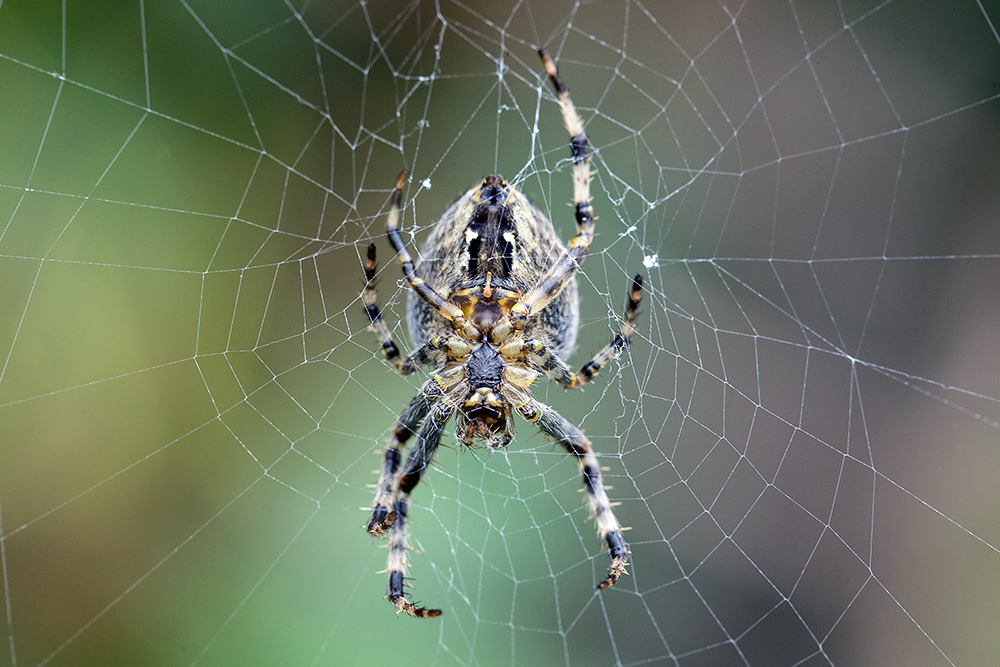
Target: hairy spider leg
[(555, 278), (441, 305), (417, 462), (420, 357), (557, 427), (406, 425), (558, 370)]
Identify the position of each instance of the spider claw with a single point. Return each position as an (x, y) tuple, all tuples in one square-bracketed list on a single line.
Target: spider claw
[(402, 604), (616, 570), (380, 521)]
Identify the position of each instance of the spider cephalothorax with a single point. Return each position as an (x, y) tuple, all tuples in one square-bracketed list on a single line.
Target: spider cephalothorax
[(493, 306), (485, 416)]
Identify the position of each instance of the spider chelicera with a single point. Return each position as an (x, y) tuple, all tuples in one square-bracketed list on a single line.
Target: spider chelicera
[(493, 305)]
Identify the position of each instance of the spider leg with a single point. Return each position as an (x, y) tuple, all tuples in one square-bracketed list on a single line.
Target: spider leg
[(420, 357), (554, 425), (417, 462), (556, 277), (558, 370), (406, 425), (441, 305)]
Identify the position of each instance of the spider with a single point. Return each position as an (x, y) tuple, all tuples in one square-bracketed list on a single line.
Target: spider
[(493, 305)]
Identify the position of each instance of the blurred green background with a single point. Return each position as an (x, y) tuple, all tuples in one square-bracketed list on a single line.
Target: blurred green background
[(802, 436)]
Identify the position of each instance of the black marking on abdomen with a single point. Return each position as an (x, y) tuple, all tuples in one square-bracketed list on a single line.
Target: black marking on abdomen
[(506, 257), (490, 248), (474, 245)]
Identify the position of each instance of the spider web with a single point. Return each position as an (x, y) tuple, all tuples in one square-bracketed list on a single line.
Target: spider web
[(802, 436)]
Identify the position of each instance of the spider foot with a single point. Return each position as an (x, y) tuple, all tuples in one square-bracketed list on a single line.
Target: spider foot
[(616, 570), (619, 559), (402, 604), (380, 521)]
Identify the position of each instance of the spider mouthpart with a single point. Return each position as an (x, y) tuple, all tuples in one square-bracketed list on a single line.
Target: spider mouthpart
[(491, 436), (484, 420), (484, 406)]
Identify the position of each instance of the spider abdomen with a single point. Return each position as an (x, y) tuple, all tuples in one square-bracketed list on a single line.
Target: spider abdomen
[(494, 235)]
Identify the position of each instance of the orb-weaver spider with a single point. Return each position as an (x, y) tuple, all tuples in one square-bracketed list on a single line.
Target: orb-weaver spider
[(493, 305)]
